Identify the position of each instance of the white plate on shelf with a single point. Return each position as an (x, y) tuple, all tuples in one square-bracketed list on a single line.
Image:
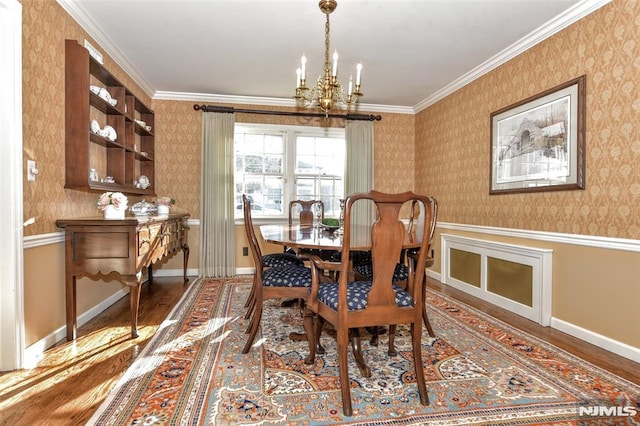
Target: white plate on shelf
[(95, 127), (104, 94), (113, 102), (110, 133), (95, 89)]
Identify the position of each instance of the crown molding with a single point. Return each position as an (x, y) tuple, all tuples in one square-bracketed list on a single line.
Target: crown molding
[(80, 15), (571, 15), (278, 102), (575, 13)]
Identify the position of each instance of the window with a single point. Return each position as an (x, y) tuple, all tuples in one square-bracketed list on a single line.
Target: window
[(277, 164)]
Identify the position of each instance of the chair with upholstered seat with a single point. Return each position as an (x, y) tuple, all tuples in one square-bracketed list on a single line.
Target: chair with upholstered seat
[(288, 281), (362, 263), (367, 303)]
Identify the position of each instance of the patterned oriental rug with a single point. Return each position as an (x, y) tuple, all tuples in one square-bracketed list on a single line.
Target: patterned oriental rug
[(479, 371)]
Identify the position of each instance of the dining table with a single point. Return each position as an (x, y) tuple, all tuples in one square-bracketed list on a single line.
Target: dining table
[(331, 239), (323, 238)]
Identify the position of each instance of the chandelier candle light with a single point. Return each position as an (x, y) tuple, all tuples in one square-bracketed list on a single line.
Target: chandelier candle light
[(327, 89)]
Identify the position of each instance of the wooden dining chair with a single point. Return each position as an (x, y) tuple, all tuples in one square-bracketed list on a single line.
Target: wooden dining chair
[(306, 221), (363, 265), (349, 305), (306, 211), (285, 281)]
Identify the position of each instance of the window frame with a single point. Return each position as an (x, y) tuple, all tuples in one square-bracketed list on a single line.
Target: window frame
[(290, 133)]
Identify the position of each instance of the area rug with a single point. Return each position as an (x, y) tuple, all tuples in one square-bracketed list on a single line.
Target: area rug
[(479, 371)]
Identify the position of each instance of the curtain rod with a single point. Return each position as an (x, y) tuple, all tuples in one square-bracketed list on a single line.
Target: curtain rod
[(231, 110)]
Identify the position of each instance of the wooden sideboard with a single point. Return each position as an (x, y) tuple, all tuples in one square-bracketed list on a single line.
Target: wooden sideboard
[(96, 247)]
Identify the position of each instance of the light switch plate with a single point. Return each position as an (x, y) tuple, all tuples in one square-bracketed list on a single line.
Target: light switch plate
[(31, 170)]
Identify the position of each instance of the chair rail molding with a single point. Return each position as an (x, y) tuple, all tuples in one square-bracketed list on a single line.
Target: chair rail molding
[(595, 241)]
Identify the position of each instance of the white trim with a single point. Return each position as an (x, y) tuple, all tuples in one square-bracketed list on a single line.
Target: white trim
[(433, 274), (12, 333), (615, 346), (80, 15), (40, 240), (158, 273), (245, 271), (571, 15), (595, 241), (33, 353)]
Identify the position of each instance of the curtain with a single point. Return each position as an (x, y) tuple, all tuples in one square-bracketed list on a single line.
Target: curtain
[(358, 174), (217, 199)]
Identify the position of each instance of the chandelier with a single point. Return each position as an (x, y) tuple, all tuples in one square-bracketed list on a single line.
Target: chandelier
[(327, 90)]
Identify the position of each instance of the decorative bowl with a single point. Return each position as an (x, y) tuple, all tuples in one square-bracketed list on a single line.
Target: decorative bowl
[(329, 228), (143, 208)]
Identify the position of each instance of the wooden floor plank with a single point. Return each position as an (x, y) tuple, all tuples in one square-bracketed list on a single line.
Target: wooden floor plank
[(73, 379)]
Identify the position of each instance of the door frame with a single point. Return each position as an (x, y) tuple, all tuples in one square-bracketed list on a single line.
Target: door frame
[(12, 333)]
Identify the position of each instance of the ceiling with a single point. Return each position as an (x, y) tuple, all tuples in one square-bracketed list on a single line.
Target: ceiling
[(413, 52)]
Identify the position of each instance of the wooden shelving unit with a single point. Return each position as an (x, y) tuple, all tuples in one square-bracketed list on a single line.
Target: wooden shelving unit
[(124, 159)]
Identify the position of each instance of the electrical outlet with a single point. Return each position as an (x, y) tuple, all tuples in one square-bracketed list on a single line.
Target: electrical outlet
[(245, 251)]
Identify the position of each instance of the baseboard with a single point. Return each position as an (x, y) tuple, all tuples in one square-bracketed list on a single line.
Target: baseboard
[(33, 353), (606, 343), (433, 274), (174, 272), (245, 271), (618, 348)]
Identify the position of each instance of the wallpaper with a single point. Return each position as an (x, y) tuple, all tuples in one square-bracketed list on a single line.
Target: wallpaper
[(453, 135)]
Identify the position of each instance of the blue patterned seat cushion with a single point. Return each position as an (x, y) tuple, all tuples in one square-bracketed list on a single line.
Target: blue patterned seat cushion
[(357, 257), (401, 272), (357, 294), (288, 276), (280, 260)]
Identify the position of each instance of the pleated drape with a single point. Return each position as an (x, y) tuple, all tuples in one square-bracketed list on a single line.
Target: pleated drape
[(358, 175), (217, 202)]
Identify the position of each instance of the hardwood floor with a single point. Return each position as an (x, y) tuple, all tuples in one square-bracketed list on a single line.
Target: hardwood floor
[(72, 379)]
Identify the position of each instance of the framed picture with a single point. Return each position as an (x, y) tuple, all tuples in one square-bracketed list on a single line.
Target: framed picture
[(538, 144)]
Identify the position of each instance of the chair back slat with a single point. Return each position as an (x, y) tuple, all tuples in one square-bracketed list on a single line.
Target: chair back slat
[(387, 237)]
